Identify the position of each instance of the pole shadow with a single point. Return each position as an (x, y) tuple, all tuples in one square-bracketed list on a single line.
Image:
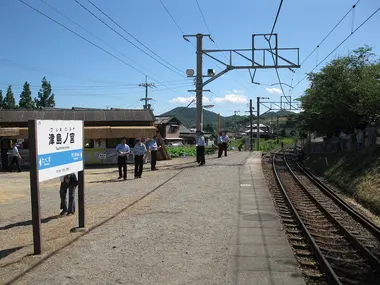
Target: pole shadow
[(29, 223)]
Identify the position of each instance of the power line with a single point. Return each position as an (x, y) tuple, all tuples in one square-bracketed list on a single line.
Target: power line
[(213, 40), (270, 46), (104, 42), (87, 40), (175, 22), (353, 32), (203, 17), (275, 20), (332, 30), (101, 11), (325, 38), (78, 35)]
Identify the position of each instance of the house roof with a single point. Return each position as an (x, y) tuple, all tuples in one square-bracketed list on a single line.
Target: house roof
[(184, 130), (93, 115), (166, 120)]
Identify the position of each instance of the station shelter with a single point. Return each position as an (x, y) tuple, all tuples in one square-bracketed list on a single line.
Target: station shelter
[(103, 130)]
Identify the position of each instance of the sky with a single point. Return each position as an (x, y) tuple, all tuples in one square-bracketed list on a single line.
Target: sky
[(108, 75)]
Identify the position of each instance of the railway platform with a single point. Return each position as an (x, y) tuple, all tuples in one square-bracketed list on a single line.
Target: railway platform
[(214, 224), (260, 252)]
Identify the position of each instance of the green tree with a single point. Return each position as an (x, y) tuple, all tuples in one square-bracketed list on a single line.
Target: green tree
[(45, 96), (342, 95), (9, 100), (26, 100), (1, 99)]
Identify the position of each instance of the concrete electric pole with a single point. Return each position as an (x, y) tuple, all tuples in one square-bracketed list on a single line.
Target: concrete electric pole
[(250, 124), (235, 112), (146, 99), (256, 61), (258, 123)]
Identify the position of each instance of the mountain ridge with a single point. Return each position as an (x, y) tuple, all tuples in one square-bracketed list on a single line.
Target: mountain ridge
[(187, 116)]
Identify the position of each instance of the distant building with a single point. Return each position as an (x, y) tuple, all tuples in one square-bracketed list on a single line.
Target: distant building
[(103, 130)]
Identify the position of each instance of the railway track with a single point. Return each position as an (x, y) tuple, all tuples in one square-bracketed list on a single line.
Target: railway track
[(345, 243)]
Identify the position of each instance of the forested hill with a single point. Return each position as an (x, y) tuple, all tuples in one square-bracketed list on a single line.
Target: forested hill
[(187, 116)]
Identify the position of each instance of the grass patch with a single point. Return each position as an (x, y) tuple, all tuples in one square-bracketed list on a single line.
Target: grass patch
[(182, 151), (356, 173)]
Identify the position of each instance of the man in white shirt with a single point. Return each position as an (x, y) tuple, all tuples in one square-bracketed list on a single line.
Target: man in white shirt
[(200, 144), (153, 147), (139, 150), (122, 150), (220, 144), (16, 157), (225, 143)]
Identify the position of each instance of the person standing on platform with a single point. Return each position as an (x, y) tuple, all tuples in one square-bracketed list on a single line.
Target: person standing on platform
[(220, 144), (16, 157), (225, 144), (122, 150), (70, 182), (139, 150), (200, 144), (153, 148)]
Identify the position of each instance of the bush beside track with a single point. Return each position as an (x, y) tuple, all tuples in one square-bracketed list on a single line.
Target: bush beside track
[(356, 173)]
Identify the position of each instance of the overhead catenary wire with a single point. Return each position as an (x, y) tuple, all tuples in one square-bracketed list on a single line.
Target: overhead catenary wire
[(213, 40), (331, 31), (326, 37), (101, 11), (353, 32), (171, 16), (129, 41), (99, 39), (87, 40), (275, 20), (270, 46)]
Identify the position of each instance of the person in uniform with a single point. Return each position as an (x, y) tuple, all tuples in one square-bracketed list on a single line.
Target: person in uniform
[(16, 157), (139, 150), (68, 182), (220, 144), (225, 143), (153, 147), (122, 150), (200, 144)]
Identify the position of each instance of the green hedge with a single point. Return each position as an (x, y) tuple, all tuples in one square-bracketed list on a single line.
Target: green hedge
[(179, 151)]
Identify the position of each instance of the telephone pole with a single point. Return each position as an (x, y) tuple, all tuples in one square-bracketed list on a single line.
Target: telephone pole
[(250, 124), (255, 61), (146, 99), (199, 84), (235, 112), (258, 123)]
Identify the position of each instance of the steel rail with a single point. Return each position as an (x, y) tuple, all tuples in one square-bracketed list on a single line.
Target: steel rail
[(331, 276), (360, 218), (372, 259)]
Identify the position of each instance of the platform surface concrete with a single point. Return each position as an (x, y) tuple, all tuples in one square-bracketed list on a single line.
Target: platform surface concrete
[(214, 224), (260, 252)]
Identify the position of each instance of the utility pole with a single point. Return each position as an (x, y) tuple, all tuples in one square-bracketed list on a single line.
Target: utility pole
[(258, 123), (199, 84), (235, 112), (251, 63), (251, 126), (146, 99), (218, 124)]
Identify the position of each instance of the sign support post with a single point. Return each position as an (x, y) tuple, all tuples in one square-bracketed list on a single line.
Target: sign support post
[(55, 150), (82, 220), (34, 187)]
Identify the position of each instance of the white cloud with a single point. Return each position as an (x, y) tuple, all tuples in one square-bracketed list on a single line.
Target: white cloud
[(187, 100), (231, 98), (273, 90)]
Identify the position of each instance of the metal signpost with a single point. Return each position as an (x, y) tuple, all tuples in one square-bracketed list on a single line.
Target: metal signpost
[(55, 150)]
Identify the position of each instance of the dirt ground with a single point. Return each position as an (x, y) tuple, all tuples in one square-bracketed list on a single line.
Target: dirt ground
[(100, 188)]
